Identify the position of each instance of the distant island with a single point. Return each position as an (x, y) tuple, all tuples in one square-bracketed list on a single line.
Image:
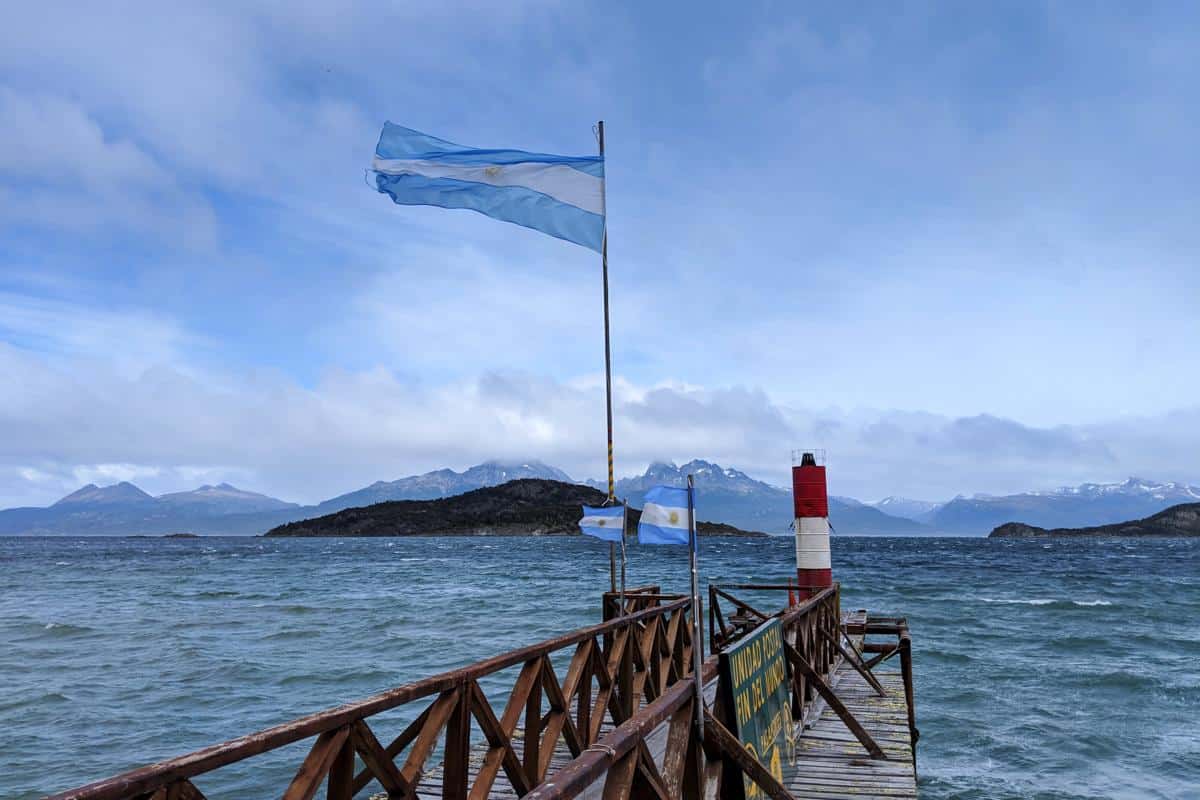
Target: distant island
[(521, 507), (1176, 521)]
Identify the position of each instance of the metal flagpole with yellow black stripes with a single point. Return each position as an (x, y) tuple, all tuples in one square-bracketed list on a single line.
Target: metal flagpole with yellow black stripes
[(612, 494)]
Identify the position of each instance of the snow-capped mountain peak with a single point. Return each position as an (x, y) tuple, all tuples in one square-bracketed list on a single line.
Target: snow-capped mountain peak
[(1132, 486), (906, 507), (707, 475)]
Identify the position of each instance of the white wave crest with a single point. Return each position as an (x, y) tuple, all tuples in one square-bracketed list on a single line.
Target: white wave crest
[(1011, 602), (1041, 601)]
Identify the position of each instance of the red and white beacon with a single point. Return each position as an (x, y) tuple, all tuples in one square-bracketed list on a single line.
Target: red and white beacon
[(813, 568)]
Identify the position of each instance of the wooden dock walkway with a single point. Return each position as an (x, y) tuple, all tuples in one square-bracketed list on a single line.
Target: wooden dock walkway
[(554, 737), (828, 763)]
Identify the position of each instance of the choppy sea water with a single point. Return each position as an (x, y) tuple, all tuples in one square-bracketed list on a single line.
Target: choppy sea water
[(1044, 669)]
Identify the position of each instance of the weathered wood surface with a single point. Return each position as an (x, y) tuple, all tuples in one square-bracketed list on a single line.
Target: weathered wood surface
[(830, 762)]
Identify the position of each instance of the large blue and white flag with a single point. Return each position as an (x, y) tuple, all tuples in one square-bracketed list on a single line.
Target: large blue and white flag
[(606, 522), (664, 516), (559, 195)]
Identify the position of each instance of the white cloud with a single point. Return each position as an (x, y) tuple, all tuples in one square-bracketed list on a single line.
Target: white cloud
[(61, 170), (105, 474), (46, 137), (86, 420), (127, 340)]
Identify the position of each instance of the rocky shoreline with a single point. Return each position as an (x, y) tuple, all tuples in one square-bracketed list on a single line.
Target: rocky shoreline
[(1175, 522)]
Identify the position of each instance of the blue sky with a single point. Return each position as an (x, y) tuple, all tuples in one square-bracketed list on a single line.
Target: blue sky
[(955, 247)]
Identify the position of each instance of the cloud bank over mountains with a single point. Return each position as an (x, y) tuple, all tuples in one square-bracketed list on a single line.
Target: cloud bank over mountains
[(73, 420)]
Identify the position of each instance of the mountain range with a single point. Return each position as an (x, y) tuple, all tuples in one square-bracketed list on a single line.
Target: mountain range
[(1085, 505), (724, 495), (443, 483), (123, 509)]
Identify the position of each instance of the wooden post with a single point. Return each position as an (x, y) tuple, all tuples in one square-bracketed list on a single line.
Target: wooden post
[(906, 671), (625, 673), (340, 785), (458, 748), (533, 730)]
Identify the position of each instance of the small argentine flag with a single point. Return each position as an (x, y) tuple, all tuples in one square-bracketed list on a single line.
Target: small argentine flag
[(559, 195), (606, 522), (664, 516)]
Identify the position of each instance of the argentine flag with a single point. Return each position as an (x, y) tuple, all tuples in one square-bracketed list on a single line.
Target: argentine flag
[(559, 195), (606, 522), (664, 516)]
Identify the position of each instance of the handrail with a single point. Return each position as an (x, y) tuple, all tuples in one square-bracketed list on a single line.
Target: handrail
[(688, 768), (583, 771), (604, 652)]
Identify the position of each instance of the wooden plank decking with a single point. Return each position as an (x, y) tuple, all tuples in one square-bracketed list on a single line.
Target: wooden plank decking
[(830, 763)]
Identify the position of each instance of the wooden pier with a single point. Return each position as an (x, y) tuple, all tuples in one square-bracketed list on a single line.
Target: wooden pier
[(830, 760), (619, 724)]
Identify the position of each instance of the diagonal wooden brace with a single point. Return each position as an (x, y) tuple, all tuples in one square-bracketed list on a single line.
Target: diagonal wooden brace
[(179, 790), (854, 660), (378, 763), (184, 790), (881, 657), (718, 737), (317, 765), (797, 661)]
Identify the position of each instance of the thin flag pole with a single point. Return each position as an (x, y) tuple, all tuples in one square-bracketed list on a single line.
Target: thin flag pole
[(624, 523), (612, 494), (612, 566), (697, 637)]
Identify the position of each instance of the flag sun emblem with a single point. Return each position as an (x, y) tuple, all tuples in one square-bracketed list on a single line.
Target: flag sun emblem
[(601, 522), (491, 172), (674, 518)]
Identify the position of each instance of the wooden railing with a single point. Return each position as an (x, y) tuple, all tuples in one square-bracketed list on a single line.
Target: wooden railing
[(620, 763), (635, 598), (631, 672), (622, 760), (875, 626), (816, 640), (615, 668), (811, 628)]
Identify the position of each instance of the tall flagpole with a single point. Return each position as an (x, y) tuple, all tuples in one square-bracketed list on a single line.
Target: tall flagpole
[(624, 516), (697, 634), (612, 494)]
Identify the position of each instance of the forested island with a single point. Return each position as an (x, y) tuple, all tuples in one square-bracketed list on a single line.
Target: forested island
[(1177, 521), (521, 507)]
